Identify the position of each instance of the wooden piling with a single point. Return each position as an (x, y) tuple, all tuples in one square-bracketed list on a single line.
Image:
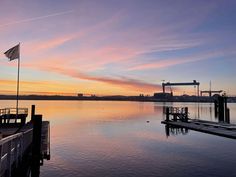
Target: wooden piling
[(225, 108), (37, 129), (167, 114), (186, 114), (221, 109), (227, 118), (36, 145), (216, 108), (32, 112)]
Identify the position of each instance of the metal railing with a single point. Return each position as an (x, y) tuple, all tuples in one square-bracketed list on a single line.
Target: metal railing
[(13, 111), (9, 115), (177, 110), (12, 149), (177, 113)]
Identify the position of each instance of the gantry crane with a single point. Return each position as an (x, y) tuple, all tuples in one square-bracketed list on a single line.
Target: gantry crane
[(194, 83)]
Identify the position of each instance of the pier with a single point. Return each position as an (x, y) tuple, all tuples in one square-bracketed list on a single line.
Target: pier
[(23, 146), (178, 117)]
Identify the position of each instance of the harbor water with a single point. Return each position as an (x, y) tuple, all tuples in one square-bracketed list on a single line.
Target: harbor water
[(127, 139)]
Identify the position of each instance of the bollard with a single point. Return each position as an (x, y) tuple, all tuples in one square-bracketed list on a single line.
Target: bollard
[(32, 112), (167, 114)]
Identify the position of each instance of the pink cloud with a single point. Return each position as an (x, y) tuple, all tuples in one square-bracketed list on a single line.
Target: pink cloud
[(121, 82), (129, 83)]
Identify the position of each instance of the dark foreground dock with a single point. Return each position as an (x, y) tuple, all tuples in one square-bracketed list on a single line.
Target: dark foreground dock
[(179, 118), (23, 146)]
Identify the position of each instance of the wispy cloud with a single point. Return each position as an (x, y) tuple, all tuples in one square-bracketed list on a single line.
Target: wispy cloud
[(169, 62), (36, 18), (122, 82), (35, 47), (100, 44)]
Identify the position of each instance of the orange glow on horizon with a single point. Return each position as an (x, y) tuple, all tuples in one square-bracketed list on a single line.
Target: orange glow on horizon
[(58, 88)]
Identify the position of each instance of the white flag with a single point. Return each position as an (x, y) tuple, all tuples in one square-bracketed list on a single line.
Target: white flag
[(13, 53)]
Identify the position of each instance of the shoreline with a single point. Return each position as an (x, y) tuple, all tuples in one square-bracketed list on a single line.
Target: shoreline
[(116, 98)]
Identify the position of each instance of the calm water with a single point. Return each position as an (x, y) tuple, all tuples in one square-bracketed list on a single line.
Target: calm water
[(113, 139)]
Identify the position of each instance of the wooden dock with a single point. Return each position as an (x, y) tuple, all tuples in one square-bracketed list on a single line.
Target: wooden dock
[(179, 119), (225, 130), (20, 141)]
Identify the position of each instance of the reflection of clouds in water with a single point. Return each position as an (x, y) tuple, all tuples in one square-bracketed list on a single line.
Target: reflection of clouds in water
[(95, 111), (114, 139)]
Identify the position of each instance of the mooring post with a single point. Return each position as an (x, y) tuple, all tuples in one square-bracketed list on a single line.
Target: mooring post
[(225, 107), (167, 114), (37, 129), (32, 112), (216, 108), (186, 114), (221, 108), (36, 145), (227, 118)]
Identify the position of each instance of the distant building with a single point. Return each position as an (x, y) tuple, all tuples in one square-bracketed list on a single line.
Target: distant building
[(141, 95), (162, 95), (80, 95)]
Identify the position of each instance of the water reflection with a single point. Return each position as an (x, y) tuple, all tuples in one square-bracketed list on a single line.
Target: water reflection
[(105, 138), (35, 167), (172, 130)]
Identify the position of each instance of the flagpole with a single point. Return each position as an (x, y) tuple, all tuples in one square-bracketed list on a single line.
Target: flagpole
[(17, 90)]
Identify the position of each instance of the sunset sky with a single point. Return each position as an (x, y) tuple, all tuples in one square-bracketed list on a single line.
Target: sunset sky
[(111, 47)]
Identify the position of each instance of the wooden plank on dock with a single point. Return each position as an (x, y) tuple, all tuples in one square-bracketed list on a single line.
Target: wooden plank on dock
[(219, 129)]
